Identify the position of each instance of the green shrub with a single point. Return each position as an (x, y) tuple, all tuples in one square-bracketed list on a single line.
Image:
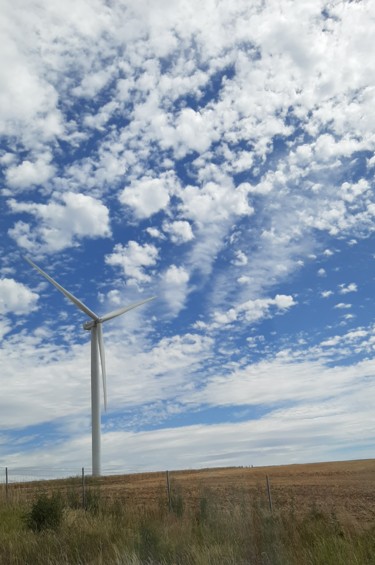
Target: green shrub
[(46, 513)]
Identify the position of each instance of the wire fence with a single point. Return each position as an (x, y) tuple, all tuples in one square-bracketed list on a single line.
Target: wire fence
[(345, 488), (139, 490), (80, 489)]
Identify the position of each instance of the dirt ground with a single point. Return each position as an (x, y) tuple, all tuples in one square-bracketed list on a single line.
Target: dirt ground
[(346, 488)]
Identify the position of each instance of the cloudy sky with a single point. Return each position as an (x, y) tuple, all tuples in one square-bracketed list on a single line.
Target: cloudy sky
[(218, 155)]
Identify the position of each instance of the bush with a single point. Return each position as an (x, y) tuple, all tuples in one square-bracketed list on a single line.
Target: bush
[(46, 513)]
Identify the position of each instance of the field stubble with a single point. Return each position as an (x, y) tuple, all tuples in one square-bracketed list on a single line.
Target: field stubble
[(345, 487), (323, 514)]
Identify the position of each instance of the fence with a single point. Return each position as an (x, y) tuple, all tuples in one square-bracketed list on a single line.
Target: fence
[(20, 485), (177, 490)]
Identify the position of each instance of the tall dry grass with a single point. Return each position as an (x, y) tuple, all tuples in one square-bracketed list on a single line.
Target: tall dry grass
[(215, 531)]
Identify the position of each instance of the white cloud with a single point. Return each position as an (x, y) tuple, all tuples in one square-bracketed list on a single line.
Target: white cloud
[(331, 342), (342, 306), (133, 258), (16, 298), (297, 381), (263, 187), (5, 327), (253, 310), (65, 219), (278, 438), (176, 275), (283, 301), (155, 232), (113, 297), (99, 121), (355, 334), (194, 131), (28, 102), (352, 287), (351, 192), (240, 258), (371, 162), (147, 196), (214, 202), (326, 293), (175, 286), (180, 231), (93, 83), (28, 173)]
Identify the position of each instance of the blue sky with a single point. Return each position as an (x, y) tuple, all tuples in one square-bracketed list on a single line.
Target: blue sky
[(220, 156)]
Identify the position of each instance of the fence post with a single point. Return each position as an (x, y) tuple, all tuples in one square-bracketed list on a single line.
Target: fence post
[(6, 484), (83, 489), (169, 492), (269, 493)]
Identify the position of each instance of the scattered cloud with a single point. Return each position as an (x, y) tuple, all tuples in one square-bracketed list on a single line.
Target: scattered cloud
[(218, 154), (155, 232), (175, 282), (28, 174), (59, 224), (16, 298), (342, 306), (147, 196), (214, 202), (240, 258), (133, 259), (180, 231), (352, 287), (326, 293), (254, 310)]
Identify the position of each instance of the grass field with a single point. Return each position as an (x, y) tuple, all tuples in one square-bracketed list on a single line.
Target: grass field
[(322, 513)]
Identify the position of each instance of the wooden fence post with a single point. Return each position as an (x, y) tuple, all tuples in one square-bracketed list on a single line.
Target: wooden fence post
[(169, 492), (6, 484), (269, 493), (83, 489)]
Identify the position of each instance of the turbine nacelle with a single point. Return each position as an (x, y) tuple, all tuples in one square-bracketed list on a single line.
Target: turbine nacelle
[(89, 325)]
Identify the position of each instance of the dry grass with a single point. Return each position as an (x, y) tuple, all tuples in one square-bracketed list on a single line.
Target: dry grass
[(323, 514), (346, 486)]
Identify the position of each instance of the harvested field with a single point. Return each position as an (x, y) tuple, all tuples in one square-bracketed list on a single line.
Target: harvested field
[(344, 488)]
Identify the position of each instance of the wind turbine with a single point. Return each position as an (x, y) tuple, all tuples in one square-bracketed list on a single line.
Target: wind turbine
[(97, 349)]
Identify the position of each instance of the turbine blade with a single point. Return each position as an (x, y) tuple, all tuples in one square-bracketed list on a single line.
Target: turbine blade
[(124, 309), (68, 294), (102, 360)]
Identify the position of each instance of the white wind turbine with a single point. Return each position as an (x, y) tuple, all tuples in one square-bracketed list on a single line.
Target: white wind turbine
[(97, 348)]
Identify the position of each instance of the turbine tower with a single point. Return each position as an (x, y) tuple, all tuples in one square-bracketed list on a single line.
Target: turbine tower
[(97, 349)]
